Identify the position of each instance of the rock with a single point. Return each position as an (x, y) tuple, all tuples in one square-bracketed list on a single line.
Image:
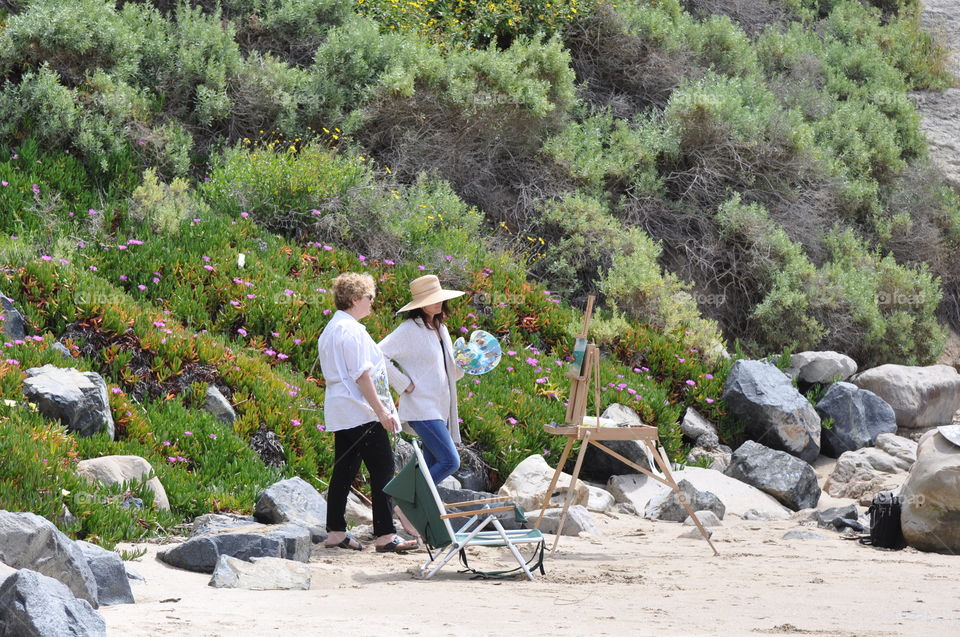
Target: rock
[(474, 473), (738, 498), (261, 574), (699, 430), (218, 405), (12, 325), (718, 458), (930, 515), (113, 587), (695, 534), (861, 474), (293, 500), (30, 541), (77, 399), (5, 572), (940, 122), (64, 352), (450, 483), (451, 496), (920, 396), (668, 505), (600, 499), (578, 521), (940, 19), (528, 483), (790, 480), (858, 415), (797, 534), (201, 553), (821, 367), (840, 518), (599, 466), (772, 409), (34, 605), (134, 575), (211, 523), (707, 518), (110, 470), (357, 511)]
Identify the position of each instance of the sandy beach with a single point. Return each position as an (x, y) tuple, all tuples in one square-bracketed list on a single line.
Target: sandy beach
[(638, 578)]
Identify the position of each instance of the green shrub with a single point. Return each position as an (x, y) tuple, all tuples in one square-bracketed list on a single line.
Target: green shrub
[(164, 206)]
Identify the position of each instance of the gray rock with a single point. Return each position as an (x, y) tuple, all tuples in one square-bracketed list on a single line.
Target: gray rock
[(578, 521), (261, 574), (110, 470), (930, 514), (840, 518), (797, 534), (295, 501), (699, 430), (695, 534), (212, 523), (133, 575), (218, 405), (64, 352), (34, 605), (13, 325), (113, 587), (790, 480), (859, 416), (77, 399), (940, 122), (772, 410), (5, 572), (718, 458), (30, 541), (668, 506), (920, 396), (861, 474), (707, 518), (200, 554), (821, 367)]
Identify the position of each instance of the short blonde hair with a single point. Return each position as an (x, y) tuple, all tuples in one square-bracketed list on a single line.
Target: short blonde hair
[(350, 287)]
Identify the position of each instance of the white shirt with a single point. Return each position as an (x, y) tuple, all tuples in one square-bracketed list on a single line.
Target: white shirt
[(430, 368), (346, 351)]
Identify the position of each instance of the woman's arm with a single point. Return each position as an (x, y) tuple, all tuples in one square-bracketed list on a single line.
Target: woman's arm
[(392, 346)]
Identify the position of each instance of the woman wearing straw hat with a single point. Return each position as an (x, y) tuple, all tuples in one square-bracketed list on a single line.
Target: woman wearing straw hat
[(359, 409), (427, 377)]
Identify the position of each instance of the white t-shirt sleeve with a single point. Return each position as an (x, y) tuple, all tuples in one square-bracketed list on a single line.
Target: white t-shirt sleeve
[(355, 356)]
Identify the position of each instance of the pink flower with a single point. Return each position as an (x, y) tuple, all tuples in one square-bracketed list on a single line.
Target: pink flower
[(166, 443), (187, 433), (46, 257), (121, 247), (512, 420), (36, 189), (708, 376), (241, 331), (388, 262), (208, 268), (123, 277), (235, 303), (116, 390), (421, 267), (328, 248), (288, 292), (141, 287), (213, 436), (532, 362), (282, 356), (690, 382), (205, 258), (244, 214), (294, 422), (511, 352), (321, 428), (708, 400), (540, 381), (93, 268), (4, 183)]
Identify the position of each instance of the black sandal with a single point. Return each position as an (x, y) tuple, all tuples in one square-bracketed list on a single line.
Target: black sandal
[(346, 543), (396, 545)]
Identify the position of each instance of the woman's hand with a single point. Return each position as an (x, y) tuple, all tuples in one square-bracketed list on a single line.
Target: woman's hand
[(409, 388), (389, 421)]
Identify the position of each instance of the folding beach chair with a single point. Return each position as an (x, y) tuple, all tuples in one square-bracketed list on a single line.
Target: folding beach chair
[(415, 493)]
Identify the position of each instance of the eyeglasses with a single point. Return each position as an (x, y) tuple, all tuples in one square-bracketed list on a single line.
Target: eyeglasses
[(370, 296)]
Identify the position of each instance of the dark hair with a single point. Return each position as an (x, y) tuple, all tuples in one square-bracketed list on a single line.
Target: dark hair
[(438, 319)]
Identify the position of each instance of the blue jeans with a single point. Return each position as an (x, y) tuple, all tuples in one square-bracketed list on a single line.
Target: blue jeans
[(438, 448)]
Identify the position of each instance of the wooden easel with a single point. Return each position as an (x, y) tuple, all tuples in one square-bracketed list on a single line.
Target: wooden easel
[(590, 432)]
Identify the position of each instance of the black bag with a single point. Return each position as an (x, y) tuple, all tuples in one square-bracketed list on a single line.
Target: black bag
[(885, 530)]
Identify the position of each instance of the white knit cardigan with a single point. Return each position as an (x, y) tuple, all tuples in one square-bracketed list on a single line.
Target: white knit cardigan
[(417, 352)]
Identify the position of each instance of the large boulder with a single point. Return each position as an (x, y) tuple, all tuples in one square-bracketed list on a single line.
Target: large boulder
[(34, 605), (77, 399), (698, 430), (861, 474), (261, 574), (293, 500), (578, 521), (930, 516), (599, 466), (5, 572), (528, 483), (201, 553), (30, 541), (790, 480), (110, 470), (858, 415), (218, 405), (821, 367), (113, 585), (12, 325), (920, 396), (738, 498), (668, 505), (772, 410)]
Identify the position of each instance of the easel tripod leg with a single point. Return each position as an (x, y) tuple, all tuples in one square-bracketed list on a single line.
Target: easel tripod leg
[(570, 491), (553, 482)]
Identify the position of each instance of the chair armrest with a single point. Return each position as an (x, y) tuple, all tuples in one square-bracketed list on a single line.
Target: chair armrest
[(462, 514), (499, 498)]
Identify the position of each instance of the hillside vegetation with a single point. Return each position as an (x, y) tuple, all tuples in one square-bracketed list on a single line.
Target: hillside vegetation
[(755, 177)]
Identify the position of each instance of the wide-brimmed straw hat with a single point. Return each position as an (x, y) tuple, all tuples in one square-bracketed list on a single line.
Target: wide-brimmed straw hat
[(426, 290)]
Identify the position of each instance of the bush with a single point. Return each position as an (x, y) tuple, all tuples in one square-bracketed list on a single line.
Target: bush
[(164, 207)]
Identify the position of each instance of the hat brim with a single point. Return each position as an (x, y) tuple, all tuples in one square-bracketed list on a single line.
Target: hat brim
[(435, 297)]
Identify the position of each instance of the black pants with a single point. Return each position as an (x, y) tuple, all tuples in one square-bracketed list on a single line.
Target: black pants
[(369, 443)]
